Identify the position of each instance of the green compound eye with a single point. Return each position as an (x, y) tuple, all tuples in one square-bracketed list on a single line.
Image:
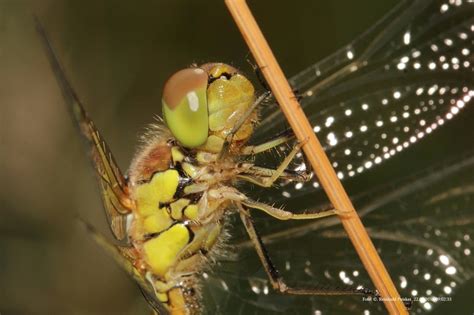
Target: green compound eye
[(185, 106)]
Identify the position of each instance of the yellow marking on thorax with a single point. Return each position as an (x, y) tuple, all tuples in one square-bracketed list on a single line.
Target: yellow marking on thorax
[(191, 212), (162, 251), (160, 189), (177, 155), (157, 222), (177, 208)]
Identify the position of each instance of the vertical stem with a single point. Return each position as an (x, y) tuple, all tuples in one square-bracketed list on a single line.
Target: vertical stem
[(316, 155)]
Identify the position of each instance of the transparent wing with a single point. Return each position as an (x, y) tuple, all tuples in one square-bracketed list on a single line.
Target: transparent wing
[(396, 84), (112, 183), (125, 258), (422, 226)]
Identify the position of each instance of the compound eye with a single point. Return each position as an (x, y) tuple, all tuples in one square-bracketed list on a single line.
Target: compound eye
[(185, 106)]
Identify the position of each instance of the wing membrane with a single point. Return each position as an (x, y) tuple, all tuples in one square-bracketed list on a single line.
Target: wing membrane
[(422, 227), (125, 257), (414, 65), (112, 183), (396, 84)]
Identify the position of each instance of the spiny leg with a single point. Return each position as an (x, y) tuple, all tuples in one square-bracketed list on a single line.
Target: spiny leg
[(281, 214), (230, 193), (241, 121), (257, 171), (255, 174), (275, 174), (278, 283), (281, 138)]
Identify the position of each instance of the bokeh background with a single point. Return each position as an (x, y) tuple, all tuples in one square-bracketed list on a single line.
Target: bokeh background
[(118, 55)]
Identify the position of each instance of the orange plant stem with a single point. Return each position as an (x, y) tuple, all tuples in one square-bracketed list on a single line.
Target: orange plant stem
[(316, 155)]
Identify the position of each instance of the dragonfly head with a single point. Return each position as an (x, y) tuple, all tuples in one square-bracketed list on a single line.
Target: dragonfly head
[(202, 104)]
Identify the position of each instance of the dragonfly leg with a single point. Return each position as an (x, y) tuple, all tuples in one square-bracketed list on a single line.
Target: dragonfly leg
[(232, 194), (277, 281), (281, 214), (195, 188), (255, 175), (281, 138), (273, 175)]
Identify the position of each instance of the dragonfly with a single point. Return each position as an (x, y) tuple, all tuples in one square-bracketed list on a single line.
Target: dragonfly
[(170, 211), (412, 70)]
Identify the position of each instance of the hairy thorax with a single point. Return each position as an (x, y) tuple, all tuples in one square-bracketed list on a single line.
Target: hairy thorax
[(181, 198)]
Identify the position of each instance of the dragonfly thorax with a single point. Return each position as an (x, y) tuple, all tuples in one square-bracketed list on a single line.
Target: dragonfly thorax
[(181, 197)]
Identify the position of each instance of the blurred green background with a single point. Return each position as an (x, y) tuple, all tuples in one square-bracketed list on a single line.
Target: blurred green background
[(118, 55)]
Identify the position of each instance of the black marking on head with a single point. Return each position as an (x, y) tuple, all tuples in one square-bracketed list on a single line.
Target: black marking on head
[(226, 75)]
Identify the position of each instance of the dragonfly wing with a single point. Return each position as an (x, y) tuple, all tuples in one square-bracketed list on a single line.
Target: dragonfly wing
[(424, 236), (397, 83), (125, 257), (422, 226), (113, 185)]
